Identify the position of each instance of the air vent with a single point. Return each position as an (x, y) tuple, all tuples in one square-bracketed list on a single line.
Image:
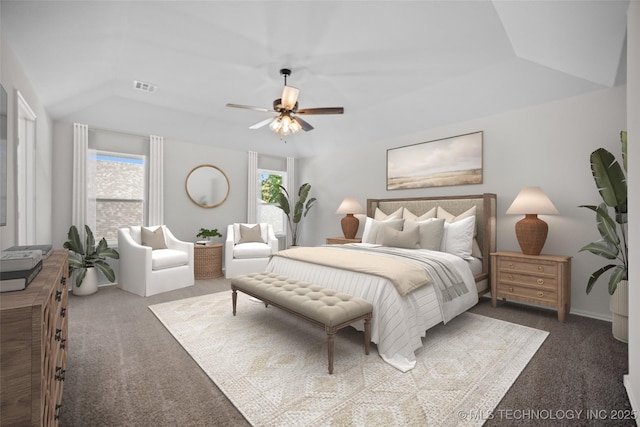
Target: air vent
[(145, 87)]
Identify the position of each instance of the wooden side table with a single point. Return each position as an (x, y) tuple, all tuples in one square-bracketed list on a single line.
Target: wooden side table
[(207, 260), (342, 240), (538, 279)]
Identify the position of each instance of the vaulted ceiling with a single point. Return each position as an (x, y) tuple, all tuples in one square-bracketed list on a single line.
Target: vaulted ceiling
[(397, 67)]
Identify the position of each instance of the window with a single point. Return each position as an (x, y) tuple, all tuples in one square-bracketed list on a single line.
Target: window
[(116, 192), (268, 210)]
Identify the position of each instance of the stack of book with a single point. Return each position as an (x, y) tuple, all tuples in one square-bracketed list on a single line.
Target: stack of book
[(18, 269)]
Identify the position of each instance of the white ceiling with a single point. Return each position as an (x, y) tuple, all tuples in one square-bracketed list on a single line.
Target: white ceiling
[(397, 67)]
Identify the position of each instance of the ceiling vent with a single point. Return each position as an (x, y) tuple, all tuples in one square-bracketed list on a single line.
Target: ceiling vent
[(145, 87)]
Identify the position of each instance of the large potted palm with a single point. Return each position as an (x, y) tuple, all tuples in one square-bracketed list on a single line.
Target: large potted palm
[(611, 181), (84, 264), (300, 209)]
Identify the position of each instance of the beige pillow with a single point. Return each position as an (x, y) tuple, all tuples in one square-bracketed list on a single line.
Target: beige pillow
[(410, 216), (431, 232), (153, 238), (379, 215), (377, 229), (408, 238), (250, 234)]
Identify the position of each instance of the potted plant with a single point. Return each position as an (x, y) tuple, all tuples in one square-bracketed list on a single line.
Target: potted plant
[(300, 209), (208, 234), (611, 181), (83, 263)]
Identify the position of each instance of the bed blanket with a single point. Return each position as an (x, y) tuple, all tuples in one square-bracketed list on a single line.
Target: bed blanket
[(405, 275)]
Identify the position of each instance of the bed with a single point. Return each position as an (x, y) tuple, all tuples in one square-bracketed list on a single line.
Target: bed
[(404, 308)]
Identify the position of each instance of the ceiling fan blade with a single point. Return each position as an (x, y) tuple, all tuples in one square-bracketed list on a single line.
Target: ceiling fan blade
[(248, 107), (303, 124), (289, 97), (326, 110), (262, 123)]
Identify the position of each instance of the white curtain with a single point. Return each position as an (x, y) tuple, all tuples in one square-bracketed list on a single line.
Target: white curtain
[(79, 185), (252, 188), (291, 188), (156, 183)]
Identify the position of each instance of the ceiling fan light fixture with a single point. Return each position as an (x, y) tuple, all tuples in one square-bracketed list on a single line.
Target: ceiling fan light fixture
[(289, 97)]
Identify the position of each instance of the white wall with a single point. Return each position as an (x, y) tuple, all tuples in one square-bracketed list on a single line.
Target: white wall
[(13, 79), (547, 146), (632, 381)]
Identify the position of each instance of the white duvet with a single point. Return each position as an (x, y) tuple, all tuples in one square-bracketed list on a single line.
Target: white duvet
[(399, 323)]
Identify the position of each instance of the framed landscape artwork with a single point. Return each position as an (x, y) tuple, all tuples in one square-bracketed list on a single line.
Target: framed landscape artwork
[(450, 161)]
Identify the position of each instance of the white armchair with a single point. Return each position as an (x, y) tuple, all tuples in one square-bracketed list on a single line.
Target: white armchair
[(249, 253), (145, 271)]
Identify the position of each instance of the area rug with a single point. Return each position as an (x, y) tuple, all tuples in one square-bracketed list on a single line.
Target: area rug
[(273, 366)]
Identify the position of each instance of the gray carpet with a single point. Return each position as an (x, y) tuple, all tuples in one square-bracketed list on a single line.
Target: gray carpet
[(125, 369)]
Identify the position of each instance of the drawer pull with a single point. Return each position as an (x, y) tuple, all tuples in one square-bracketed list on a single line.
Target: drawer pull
[(63, 312), (63, 280), (540, 268), (510, 277), (62, 343), (60, 373), (58, 295), (510, 265), (540, 281), (57, 415), (58, 335), (510, 288), (540, 294)]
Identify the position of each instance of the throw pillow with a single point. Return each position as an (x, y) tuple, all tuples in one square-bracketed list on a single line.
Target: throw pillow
[(408, 238), (250, 234), (381, 216), (153, 238), (449, 217), (458, 236), (371, 233), (431, 232), (410, 216), (264, 231)]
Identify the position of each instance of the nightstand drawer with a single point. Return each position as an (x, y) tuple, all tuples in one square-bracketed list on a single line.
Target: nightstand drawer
[(515, 291), (530, 266), (533, 280)]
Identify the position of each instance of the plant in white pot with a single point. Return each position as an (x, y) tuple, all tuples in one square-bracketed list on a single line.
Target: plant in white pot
[(84, 264), (205, 233), (611, 181)]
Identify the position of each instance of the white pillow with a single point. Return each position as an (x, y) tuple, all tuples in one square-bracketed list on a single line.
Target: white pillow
[(408, 215), (458, 237), (237, 236), (449, 217), (372, 227), (380, 216)]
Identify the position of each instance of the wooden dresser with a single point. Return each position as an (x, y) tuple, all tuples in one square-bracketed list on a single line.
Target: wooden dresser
[(33, 346), (537, 279)]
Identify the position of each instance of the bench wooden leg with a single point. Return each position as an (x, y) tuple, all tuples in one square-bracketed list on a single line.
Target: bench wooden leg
[(367, 334), (330, 346), (234, 299)]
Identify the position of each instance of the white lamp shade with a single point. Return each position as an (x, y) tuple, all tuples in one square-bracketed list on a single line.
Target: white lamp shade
[(350, 206), (532, 200)]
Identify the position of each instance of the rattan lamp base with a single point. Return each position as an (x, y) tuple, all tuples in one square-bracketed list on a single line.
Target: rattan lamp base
[(350, 226), (531, 232)]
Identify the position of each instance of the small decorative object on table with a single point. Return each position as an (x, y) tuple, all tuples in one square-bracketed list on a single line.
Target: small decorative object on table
[(207, 234)]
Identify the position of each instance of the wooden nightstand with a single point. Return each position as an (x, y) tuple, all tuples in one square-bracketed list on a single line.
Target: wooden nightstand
[(542, 279), (207, 260), (342, 240)]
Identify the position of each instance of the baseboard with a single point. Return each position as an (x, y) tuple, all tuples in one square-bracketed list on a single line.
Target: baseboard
[(632, 399), (598, 316)]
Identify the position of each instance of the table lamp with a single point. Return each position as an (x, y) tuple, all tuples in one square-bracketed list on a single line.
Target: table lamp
[(350, 206), (531, 231)]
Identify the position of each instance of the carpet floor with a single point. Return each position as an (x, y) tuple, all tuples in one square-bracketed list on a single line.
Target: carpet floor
[(273, 366), (125, 369)]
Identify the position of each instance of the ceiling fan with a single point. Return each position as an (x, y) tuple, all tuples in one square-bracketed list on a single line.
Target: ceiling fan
[(287, 120)]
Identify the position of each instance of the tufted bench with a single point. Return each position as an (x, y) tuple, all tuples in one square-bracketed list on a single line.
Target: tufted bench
[(323, 307)]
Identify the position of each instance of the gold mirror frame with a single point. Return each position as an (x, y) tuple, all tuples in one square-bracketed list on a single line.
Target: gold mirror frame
[(207, 182)]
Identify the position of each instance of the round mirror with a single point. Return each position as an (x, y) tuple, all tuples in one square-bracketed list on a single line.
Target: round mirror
[(207, 186)]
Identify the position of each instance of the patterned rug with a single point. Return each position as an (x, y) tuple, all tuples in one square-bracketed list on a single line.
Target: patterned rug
[(273, 366)]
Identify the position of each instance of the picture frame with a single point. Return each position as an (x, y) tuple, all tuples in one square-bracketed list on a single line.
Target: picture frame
[(455, 160)]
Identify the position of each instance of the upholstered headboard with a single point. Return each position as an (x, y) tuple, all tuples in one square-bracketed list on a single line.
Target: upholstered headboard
[(485, 220)]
